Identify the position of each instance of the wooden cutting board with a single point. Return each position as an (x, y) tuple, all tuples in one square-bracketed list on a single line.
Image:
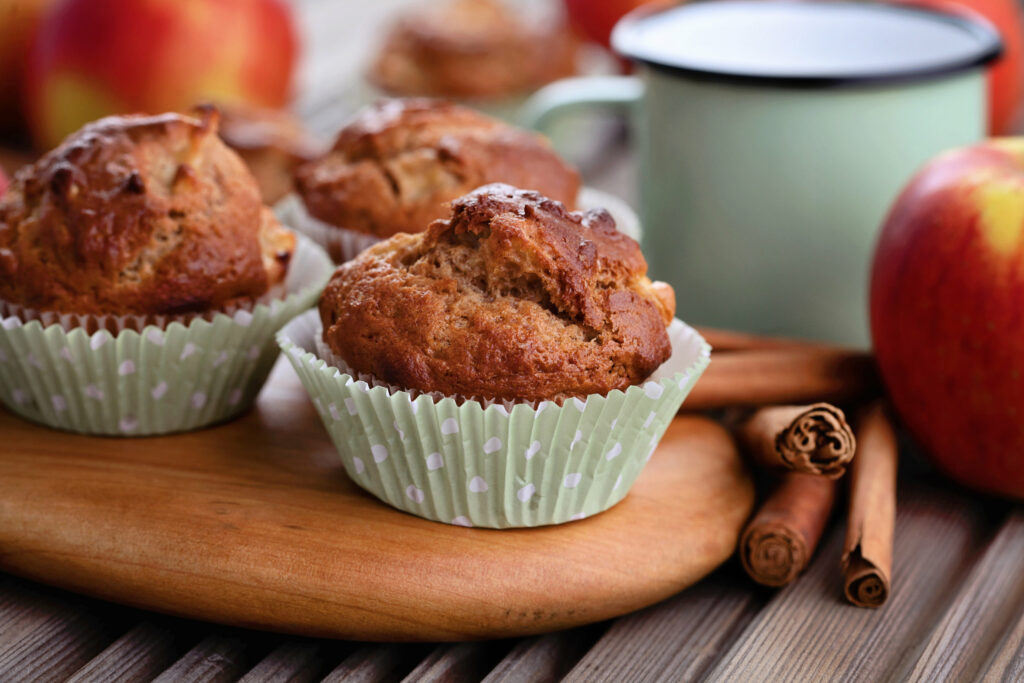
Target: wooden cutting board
[(254, 523)]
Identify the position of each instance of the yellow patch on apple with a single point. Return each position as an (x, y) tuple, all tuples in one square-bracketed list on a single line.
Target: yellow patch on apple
[(71, 101), (1002, 214)]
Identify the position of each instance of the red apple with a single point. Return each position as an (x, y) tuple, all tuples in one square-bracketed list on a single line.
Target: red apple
[(595, 19), (947, 290), (1006, 75), (92, 58), (18, 21), (3, 182)]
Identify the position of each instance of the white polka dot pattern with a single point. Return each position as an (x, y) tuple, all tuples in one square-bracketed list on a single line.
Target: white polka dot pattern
[(414, 494), (466, 463), (167, 378)]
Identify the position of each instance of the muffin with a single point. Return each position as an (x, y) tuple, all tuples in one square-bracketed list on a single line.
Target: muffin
[(479, 49), (511, 366), (396, 166), (139, 215), (271, 142), (514, 297), (148, 232)]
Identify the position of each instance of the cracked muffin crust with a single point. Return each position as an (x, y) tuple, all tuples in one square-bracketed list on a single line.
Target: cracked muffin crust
[(398, 164), (514, 297), (473, 49), (141, 215)]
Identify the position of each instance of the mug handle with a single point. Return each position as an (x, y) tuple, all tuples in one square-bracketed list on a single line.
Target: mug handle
[(580, 93)]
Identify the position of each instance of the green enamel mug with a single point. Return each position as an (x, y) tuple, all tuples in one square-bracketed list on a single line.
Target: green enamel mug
[(771, 138)]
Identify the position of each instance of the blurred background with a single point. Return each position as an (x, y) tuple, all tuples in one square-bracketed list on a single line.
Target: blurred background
[(65, 62), (287, 74)]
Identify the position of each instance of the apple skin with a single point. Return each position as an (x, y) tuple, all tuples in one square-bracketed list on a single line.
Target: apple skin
[(3, 183), (595, 19), (91, 59), (18, 22), (947, 313)]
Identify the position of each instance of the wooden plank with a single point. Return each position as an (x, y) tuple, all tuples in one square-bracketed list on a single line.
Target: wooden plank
[(22, 608), (377, 664), (218, 658), (986, 607), (676, 640), (138, 655), (293, 661), (544, 658), (47, 639), (462, 662), (1006, 665), (808, 632)]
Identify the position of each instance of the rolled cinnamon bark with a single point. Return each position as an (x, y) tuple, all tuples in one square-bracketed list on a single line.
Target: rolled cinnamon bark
[(867, 553), (732, 340), (785, 376), (814, 439), (778, 543)]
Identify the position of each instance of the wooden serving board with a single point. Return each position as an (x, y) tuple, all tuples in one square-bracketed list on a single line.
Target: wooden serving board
[(254, 523)]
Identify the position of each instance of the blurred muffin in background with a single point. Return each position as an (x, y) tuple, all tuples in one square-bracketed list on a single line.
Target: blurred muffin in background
[(272, 142), (476, 49), (396, 166)]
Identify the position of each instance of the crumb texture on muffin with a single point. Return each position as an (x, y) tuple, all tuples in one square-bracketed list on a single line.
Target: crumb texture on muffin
[(514, 297), (473, 49), (139, 215), (397, 165)]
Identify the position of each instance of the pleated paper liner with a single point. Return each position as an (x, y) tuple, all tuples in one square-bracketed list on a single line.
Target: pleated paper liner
[(471, 464), (344, 245), (341, 244), (153, 379)]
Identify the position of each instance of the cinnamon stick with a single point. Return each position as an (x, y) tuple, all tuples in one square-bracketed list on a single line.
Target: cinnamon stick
[(778, 543), (732, 340), (867, 553), (785, 376), (814, 439)]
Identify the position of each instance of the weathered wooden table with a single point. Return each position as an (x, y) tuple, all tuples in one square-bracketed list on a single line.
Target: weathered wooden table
[(956, 611)]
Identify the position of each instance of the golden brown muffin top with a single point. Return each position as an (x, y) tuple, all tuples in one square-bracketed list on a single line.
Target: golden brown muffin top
[(514, 297), (143, 215), (473, 49), (396, 166)]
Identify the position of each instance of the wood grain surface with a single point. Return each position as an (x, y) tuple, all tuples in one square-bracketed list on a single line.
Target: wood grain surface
[(254, 523)]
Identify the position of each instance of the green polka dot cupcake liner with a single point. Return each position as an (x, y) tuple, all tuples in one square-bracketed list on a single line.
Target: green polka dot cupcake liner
[(492, 464), (344, 245), (148, 379), (341, 244)]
